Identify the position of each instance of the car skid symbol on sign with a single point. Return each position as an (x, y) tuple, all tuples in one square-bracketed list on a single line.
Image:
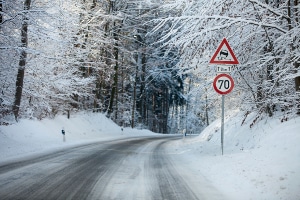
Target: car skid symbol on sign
[(223, 55)]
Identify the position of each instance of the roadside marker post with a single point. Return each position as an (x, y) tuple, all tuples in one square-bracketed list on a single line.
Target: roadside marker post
[(64, 134)]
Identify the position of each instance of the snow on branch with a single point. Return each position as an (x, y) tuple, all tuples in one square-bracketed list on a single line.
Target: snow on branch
[(265, 6)]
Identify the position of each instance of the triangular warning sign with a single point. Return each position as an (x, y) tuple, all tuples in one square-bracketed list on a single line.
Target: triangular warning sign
[(224, 55)]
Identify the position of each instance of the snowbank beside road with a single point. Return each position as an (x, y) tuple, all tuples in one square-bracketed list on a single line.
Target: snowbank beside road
[(258, 163), (30, 137)]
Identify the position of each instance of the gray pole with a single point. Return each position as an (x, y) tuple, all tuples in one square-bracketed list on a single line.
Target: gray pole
[(222, 124)]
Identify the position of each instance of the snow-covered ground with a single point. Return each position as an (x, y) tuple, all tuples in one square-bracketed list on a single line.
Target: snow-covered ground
[(258, 163), (29, 137)]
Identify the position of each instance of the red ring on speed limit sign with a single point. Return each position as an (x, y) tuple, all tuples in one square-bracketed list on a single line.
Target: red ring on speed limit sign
[(223, 84)]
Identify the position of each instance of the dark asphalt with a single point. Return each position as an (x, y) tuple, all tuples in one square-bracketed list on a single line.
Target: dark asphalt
[(128, 169)]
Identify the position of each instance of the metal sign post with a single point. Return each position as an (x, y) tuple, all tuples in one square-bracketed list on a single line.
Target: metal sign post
[(223, 83), (222, 124)]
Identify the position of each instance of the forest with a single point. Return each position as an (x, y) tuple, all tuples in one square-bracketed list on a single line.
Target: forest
[(145, 63)]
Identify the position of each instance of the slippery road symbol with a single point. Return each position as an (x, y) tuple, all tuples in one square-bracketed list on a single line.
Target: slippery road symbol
[(223, 54)]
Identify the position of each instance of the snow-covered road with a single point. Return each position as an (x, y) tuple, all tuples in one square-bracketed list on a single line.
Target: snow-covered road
[(127, 169)]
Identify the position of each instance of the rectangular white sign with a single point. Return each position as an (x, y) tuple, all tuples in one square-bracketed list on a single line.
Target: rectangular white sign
[(224, 69)]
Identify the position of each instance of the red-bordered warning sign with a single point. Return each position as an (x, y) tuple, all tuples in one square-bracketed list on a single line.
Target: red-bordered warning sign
[(223, 84), (224, 55)]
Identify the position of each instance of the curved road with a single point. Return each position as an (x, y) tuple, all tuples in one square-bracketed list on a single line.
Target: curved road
[(128, 169)]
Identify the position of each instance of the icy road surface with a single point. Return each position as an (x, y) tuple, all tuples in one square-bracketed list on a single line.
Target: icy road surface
[(128, 169)]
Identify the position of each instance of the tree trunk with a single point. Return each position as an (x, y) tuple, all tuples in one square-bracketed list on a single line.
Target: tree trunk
[(165, 110), (1, 15), (22, 62), (116, 68), (297, 79), (134, 98), (143, 90), (295, 17), (297, 64)]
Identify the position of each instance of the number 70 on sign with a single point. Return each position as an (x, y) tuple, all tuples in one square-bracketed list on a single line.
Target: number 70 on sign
[(223, 84)]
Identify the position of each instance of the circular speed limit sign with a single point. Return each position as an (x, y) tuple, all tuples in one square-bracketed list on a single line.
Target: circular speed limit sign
[(223, 84)]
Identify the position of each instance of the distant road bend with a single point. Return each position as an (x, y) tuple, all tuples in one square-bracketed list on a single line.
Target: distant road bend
[(128, 169)]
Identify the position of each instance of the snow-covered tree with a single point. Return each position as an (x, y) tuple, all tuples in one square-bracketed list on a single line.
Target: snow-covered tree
[(51, 78), (264, 36)]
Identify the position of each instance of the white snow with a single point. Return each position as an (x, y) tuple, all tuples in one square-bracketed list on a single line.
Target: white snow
[(31, 137), (258, 163)]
